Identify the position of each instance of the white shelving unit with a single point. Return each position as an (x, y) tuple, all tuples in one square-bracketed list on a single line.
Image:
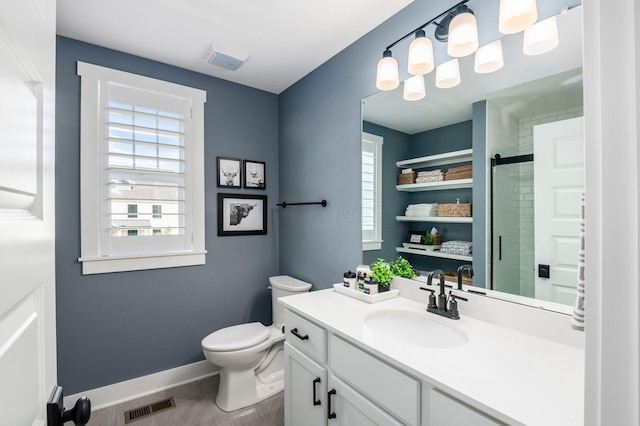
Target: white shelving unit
[(462, 156), (434, 254), (440, 219), (436, 186)]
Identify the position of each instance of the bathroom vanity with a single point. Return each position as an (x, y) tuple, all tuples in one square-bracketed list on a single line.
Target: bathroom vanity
[(391, 363)]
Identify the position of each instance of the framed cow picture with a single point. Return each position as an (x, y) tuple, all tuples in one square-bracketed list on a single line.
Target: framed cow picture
[(254, 174), (229, 172), (240, 214)]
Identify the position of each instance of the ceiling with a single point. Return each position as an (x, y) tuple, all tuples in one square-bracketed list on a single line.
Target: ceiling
[(285, 39), (552, 81)]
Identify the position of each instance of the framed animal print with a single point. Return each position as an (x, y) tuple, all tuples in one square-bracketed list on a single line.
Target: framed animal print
[(240, 214), (254, 174), (229, 172)]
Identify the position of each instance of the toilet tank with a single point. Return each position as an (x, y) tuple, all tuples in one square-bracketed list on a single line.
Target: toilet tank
[(281, 286)]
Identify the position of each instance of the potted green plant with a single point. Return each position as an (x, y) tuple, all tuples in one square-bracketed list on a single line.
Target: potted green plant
[(381, 272), (402, 268)]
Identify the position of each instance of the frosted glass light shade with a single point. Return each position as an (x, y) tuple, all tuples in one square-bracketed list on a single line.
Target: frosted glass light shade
[(541, 37), (463, 35), (489, 58), (387, 77), (420, 55), (448, 74), (516, 15), (414, 88)]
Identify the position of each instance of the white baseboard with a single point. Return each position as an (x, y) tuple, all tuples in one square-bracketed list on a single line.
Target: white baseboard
[(118, 393)]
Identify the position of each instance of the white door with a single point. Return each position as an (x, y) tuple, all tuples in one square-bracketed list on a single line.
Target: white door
[(305, 389), (27, 276), (559, 184)]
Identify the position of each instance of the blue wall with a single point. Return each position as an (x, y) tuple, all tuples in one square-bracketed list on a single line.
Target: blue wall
[(114, 327)]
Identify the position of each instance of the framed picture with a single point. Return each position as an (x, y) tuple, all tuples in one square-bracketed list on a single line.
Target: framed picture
[(229, 172), (415, 237), (254, 174), (240, 214)]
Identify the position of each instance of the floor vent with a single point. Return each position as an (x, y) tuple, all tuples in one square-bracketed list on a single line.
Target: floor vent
[(148, 410)]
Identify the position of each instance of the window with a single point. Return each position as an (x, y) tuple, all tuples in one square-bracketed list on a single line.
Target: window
[(371, 192), (132, 211), (157, 211), (142, 172)]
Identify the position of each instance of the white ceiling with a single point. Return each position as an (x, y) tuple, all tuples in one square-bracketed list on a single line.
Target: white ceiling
[(286, 39), (526, 86)]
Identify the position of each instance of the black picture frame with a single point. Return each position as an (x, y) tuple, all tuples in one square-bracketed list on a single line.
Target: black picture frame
[(241, 214), (416, 237), (255, 174), (229, 172)]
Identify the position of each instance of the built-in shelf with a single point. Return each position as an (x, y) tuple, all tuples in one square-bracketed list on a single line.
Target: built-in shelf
[(436, 186), (462, 156), (445, 219), (434, 254)]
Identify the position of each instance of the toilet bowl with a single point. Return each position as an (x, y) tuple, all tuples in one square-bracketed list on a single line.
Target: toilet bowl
[(250, 356)]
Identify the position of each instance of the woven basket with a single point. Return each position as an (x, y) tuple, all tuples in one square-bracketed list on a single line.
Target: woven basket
[(437, 240), (454, 210), (407, 178)]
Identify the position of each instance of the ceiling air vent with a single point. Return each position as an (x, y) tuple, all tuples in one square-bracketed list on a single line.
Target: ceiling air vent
[(223, 56), (148, 410)]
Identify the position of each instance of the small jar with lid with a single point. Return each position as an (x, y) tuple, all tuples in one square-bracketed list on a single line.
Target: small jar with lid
[(370, 286), (349, 280)]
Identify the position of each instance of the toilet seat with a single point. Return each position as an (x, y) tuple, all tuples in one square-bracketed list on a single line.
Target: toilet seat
[(236, 337)]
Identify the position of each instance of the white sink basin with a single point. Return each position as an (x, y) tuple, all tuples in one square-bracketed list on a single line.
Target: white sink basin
[(414, 329)]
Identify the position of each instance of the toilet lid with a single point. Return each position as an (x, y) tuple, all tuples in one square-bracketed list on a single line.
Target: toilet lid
[(236, 337)]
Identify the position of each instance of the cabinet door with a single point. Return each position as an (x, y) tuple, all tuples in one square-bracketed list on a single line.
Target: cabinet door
[(305, 389), (347, 407)]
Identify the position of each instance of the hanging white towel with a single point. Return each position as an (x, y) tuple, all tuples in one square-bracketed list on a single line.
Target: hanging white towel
[(577, 320)]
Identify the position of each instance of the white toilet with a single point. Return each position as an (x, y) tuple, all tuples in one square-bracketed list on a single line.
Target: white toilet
[(250, 356)]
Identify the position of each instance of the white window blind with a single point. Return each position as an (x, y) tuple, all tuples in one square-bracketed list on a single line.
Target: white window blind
[(144, 142), (142, 180), (371, 191)]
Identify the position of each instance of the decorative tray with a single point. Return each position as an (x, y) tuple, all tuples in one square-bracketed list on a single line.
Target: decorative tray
[(369, 298), (426, 247)]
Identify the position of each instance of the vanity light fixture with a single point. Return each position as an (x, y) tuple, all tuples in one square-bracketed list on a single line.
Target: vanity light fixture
[(463, 33), (421, 50), (420, 55), (448, 74), (541, 37), (489, 58), (387, 77), (516, 15), (414, 88)]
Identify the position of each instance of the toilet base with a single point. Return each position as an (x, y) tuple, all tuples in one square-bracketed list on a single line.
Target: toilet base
[(240, 389)]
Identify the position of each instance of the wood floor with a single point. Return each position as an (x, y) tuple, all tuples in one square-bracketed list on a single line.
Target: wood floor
[(195, 406)]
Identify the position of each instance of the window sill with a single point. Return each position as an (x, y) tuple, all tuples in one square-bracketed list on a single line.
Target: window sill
[(371, 245), (104, 265)]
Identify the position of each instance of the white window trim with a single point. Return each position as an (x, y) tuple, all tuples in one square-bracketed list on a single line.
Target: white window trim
[(376, 244), (92, 261)]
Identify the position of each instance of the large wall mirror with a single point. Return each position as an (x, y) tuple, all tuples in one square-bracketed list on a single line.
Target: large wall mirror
[(522, 129)]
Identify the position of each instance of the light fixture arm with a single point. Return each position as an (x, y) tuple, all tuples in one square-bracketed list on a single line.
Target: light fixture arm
[(432, 21)]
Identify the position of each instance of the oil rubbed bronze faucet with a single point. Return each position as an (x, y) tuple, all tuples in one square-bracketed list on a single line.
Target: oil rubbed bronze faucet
[(461, 270), (440, 307)]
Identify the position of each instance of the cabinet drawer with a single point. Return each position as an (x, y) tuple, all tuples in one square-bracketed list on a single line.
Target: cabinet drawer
[(306, 336), (391, 389)]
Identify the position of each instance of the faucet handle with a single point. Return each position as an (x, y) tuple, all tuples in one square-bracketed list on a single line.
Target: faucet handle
[(432, 298), (453, 305)]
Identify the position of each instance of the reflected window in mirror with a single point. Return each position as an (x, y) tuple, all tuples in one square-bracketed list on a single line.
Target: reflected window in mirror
[(371, 191)]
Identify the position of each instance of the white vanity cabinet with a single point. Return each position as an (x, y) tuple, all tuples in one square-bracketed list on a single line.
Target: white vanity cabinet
[(329, 381)]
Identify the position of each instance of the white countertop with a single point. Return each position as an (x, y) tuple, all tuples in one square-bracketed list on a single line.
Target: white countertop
[(515, 377)]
